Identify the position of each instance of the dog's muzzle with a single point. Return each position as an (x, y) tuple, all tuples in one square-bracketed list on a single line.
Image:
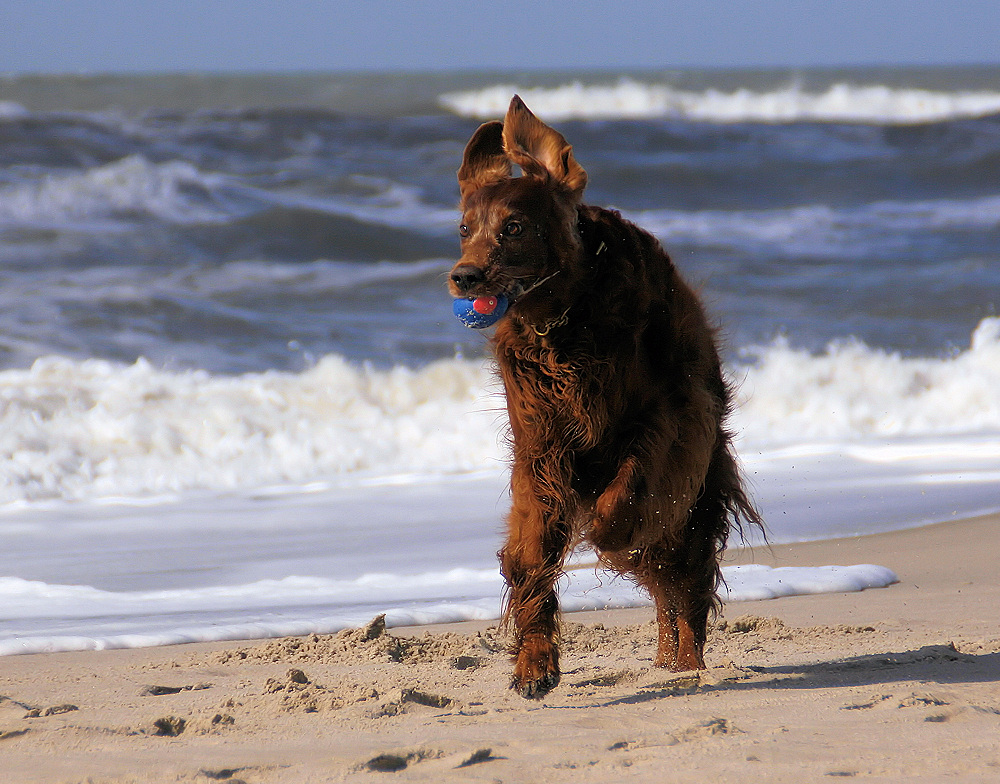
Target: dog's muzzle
[(466, 277)]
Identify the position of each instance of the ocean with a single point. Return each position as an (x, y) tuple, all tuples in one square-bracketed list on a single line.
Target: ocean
[(235, 402)]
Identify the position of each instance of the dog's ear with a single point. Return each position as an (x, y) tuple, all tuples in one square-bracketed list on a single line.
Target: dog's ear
[(539, 150), (484, 160)]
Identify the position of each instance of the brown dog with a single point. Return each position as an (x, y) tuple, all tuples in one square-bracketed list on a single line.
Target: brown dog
[(614, 391)]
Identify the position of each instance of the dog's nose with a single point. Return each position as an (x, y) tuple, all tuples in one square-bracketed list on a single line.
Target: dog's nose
[(466, 276)]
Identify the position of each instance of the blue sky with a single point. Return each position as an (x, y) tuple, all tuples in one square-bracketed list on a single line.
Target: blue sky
[(281, 35)]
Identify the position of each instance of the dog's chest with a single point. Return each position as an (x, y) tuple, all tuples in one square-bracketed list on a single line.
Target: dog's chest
[(552, 392), (540, 370)]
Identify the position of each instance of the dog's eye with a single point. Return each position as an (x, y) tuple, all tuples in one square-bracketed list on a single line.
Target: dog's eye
[(463, 230), (512, 229)]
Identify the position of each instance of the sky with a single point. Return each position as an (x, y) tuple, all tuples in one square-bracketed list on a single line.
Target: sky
[(109, 36)]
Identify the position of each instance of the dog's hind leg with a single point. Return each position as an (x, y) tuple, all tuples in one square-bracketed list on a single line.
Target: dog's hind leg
[(531, 562), (682, 573), (683, 591)]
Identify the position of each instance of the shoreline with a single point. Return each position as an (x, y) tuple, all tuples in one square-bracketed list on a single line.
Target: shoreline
[(897, 683)]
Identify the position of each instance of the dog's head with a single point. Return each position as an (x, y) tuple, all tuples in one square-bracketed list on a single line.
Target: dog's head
[(517, 232)]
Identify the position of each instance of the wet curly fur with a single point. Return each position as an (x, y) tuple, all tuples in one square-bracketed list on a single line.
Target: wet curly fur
[(615, 395)]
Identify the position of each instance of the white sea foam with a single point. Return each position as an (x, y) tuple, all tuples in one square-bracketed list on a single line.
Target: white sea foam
[(83, 430), (76, 430), (853, 391), (290, 560), (51, 617), (629, 99)]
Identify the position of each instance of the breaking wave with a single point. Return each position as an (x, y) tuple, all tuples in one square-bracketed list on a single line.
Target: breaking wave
[(629, 99), (74, 430)]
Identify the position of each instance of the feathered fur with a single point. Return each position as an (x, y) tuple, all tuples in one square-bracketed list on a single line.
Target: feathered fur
[(614, 391)]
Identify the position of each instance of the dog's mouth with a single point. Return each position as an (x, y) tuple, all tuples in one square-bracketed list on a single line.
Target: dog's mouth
[(522, 287), (479, 310)]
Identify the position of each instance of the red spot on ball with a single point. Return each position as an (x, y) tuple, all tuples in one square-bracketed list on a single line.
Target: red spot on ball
[(484, 305)]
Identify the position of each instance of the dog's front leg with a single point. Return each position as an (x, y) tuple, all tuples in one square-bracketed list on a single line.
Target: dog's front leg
[(531, 561)]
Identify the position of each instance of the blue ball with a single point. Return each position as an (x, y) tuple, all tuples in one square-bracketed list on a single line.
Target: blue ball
[(471, 311)]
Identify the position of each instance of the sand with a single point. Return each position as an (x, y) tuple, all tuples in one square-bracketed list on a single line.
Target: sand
[(894, 684)]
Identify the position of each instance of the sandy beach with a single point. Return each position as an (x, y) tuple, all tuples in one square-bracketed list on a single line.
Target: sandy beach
[(893, 684)]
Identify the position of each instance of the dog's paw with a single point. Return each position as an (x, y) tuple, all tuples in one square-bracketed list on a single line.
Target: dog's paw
[(536, 668), (679, 661), (533, 690)]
